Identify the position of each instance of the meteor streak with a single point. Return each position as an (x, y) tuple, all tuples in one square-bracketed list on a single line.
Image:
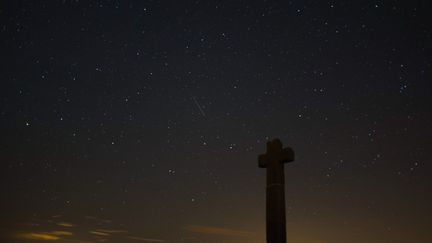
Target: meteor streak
[(199, 107)]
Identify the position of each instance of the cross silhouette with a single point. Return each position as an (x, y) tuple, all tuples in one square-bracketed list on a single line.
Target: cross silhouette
[(273, 160)]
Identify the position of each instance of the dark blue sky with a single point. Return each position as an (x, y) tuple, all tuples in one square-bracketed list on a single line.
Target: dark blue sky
[(142, 120)]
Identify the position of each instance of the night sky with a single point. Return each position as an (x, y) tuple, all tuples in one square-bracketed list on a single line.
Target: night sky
[(141, 121)]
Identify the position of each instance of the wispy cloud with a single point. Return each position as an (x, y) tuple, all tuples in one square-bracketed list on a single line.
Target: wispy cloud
[(99, 233), (37, 236), (202, 229), (145, 239), (65, 224), (51, 235), (112, 231)]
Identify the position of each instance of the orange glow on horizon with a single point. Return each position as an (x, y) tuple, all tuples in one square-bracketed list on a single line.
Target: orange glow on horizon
[(218, 231)]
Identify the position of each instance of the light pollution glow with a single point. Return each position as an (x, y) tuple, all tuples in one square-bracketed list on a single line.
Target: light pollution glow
[(80, 234)]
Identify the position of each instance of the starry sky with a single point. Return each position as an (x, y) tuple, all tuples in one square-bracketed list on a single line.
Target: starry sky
[(141, 121)]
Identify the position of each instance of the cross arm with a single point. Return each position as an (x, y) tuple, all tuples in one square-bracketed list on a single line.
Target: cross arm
[(287, 155), (262, 161), (275, 153)]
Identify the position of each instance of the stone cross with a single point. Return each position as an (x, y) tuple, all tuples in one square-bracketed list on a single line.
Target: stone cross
[(274, 160)]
